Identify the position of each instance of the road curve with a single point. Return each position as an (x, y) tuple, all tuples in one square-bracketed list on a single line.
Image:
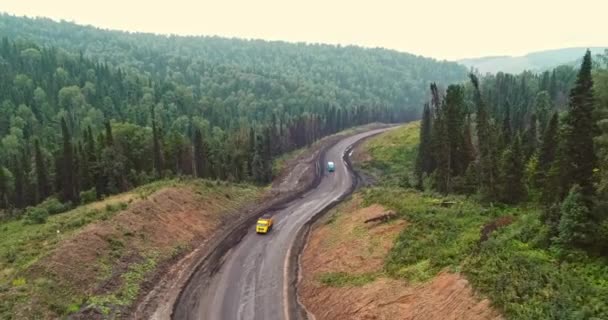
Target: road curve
[(251, 283)]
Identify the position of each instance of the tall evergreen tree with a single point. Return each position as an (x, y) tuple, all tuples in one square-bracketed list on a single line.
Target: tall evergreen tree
[(42, 180), (158, 161), (531, 138), (506, 126), (4, 189), (200, 156), (548, 148), (19, 184), (512, 173), (67, 186), (580, 128), (487, 147), (109, 138), (424, 158)]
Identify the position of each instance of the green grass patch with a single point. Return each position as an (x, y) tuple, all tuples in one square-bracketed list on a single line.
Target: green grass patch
[(128, 291), (343, 279), (393, 155)]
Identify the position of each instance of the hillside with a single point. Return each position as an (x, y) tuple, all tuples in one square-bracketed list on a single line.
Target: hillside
[(535, 61), (123, 109), (497, 250), (94, 261)]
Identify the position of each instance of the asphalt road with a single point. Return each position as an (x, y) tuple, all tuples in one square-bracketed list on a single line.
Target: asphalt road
[(251, 283)]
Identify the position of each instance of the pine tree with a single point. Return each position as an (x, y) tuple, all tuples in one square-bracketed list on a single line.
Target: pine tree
[(547, 153), (455, 115), (506, 126), (19, 184), (3, 188), (267, 155), (441, 153), (531, 138), (424, 158), (158, 161), (580, 128), (67, 171), (41, 173), (199, 154), (575, 221), (109, 138), (543, 108), (250, 150), (487, 147), (512, 174), (261, 166)]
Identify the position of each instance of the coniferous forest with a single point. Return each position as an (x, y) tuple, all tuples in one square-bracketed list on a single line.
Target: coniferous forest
[(86, 113), (535, 139)]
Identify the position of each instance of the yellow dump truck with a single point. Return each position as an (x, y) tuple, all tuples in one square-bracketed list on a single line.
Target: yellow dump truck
[(264, 224)]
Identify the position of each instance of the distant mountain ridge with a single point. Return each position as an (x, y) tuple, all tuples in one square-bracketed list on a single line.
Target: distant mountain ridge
[(535, 61)]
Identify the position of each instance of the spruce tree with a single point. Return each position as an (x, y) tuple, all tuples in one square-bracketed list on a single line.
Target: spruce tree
[(487, 146), (109, 138), (67, 170), (441, 153), (531, 138), (506, 126), (3, 188), (42, 180), (158, 162), (580, 128), (199, 154), (548, 150), (19, 199), (575, 221), (512, 174), (424, 157)]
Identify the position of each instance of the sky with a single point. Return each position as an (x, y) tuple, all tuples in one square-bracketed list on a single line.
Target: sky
[(441, 29)]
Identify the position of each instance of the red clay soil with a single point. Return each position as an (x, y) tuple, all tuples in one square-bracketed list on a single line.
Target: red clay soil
[(348, 245), (92, 262)]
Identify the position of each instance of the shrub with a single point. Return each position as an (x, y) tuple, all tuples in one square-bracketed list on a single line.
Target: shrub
[(54, 206), (574, 223), (36, 215), (88, 196)]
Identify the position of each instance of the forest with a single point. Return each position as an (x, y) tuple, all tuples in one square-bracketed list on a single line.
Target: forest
[(528, 139), (86, 113)]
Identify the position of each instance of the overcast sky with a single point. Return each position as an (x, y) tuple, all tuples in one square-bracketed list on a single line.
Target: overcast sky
[(442, 28)]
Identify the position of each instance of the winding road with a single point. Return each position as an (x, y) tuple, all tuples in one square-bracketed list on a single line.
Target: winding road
[(252, 282)]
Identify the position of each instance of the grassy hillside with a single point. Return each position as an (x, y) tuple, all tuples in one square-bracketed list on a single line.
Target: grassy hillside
[(93, 260), (498, 249)]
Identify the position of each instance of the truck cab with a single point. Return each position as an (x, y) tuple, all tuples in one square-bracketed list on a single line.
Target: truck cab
[(331, 167), (264, 224)]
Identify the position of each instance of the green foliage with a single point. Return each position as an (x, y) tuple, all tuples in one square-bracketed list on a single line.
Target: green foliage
[(36, 215), (511, 186), (516, 266), (579, 158), (575, 224), (392, 156), (343, 279), (88, 196), (54, 206), (98, 116)]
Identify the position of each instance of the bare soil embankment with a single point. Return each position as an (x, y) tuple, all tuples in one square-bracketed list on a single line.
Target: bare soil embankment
[(342, 275)]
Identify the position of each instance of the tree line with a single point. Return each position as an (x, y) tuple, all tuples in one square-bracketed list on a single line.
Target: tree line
[(536, 138), (76, 129)]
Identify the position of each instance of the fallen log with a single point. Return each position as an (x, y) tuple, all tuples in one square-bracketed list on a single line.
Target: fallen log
[(383, 217)]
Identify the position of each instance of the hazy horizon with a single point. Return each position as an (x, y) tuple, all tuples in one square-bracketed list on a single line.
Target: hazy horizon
[(467, 29)]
